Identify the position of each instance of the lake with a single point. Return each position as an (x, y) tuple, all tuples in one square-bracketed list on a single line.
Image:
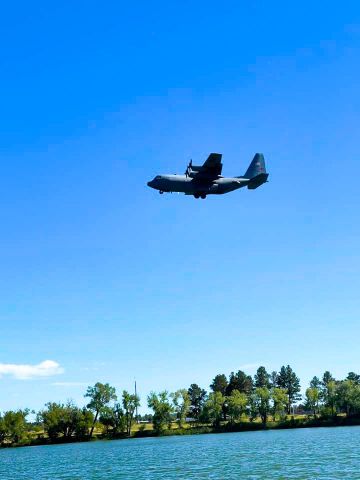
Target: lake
[(313, 453)]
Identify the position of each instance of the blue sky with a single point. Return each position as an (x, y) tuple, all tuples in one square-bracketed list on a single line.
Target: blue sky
[(112, 281)]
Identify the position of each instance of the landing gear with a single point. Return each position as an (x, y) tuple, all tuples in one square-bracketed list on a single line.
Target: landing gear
[(203, 196), (200, 195), (161, 192), (196, 195)]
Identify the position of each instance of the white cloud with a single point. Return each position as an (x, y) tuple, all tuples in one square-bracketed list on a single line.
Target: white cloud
[(47, 368)]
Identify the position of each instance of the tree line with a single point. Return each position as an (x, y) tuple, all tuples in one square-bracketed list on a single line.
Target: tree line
[(232, 400)]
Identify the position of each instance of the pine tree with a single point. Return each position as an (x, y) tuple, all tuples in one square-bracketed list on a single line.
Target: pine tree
[(288, 380)]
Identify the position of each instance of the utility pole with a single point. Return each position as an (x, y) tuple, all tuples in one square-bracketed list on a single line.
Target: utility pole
[(136, 411)]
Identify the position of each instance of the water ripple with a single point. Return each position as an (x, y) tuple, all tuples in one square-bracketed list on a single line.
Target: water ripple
[(311, 454)]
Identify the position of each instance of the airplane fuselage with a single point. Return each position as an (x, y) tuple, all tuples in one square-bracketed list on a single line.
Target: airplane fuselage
[(191, 186), (206, 179)]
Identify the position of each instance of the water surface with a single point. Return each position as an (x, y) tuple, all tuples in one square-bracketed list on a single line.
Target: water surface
[(315, 453)]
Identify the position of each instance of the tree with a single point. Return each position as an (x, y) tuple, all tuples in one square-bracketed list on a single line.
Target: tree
[(315, 382), (14, 426), (84, 421), (253, 406), (119, 420), (219, 384), (130, 403), (181, 401), (106, 419), (197, 397), (312, 399), (114, 418), (241, 382), (2, 430), (262, 398), (262, 378), (354, 377), (326, 379), (279, 399), (65, 421), (100, 396), (163, 410), (237, 403), (348, 397), (214, 407), (344, 396), (330, 398), (288, 380), (273, 379), (328, 392)]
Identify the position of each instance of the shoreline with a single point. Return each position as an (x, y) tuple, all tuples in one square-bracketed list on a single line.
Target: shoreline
[(293, 423)]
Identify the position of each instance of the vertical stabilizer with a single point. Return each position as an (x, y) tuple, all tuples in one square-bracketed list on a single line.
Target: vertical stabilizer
[(256, 173), (256, 167)]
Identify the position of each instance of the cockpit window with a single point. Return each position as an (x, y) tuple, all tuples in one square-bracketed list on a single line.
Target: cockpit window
[(158, 177)]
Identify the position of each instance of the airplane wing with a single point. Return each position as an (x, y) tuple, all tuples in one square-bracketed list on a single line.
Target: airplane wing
[(213, 164), (211, 169)]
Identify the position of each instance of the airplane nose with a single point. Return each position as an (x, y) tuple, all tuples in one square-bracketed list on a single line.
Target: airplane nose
[(149, 184)]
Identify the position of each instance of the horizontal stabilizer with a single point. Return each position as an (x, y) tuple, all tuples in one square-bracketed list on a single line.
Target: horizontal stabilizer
[(255, 182)]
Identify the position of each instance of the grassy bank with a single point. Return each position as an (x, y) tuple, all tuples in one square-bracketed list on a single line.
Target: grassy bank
[(246, 426), (146, 430)]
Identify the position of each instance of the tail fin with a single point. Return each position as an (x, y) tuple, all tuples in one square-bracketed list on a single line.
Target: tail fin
[(256, 173), (256, 166)]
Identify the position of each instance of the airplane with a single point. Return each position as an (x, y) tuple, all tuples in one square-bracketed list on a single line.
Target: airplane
[(206, 179)]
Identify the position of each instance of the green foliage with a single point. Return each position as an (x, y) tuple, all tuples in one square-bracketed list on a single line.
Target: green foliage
[(315, 383), (130, 403), (13, 426), (252, 406), (219, 384), (241, 382), (327, 377), (312, 395), (214, 407), (288, 380), (236, 404), (65, 420), (84, 420), (181, 401), (113, 418), (119, 421), (162, 408), (354, 377), (100, 396), (262, 378), (268, 394), (348, 397), (197, 398), (279, 399), (273, 379), (262, 399), (2, 430), (329, 395)]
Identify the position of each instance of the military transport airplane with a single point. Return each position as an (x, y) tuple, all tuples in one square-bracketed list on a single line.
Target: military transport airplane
[(207, 179)]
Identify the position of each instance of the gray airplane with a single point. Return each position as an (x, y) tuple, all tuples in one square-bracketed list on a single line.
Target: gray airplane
[(204, 180)]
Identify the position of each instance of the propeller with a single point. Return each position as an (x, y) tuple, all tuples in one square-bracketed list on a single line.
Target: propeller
[(188, 169)]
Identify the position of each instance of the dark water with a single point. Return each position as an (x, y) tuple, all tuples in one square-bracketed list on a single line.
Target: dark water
[(317, 453)]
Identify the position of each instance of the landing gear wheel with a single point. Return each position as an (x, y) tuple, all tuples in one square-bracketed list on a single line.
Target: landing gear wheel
[(203, 196), (196, 195), (161, 192)]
